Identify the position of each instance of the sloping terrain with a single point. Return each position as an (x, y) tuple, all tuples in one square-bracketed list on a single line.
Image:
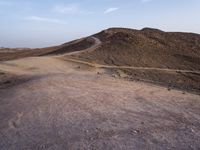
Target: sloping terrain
[(150, 48)]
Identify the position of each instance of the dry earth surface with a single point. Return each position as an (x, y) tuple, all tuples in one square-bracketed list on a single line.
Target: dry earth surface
[(79, 95), (57, 104)]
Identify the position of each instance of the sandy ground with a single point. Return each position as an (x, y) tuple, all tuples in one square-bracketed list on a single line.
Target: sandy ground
[(65, 105)]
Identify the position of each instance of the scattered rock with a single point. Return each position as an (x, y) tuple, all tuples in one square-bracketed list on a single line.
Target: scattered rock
[(7, 82), (114, 75)]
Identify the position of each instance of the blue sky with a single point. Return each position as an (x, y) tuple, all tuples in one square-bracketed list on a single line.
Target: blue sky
[(40, 23)]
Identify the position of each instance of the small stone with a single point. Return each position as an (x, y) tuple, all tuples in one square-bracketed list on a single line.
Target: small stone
[(135, 131), (192, 130)]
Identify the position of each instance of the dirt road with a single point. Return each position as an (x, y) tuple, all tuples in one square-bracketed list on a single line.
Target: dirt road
[(131, 67), (96, 44), (67, 105)]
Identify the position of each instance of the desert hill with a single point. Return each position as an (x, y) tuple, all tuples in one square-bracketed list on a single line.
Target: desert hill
[(150, 48), (147, 48), (120, 46)]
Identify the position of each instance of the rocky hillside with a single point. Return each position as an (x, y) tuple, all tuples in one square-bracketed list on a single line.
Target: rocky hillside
[(150, 48), (147, 48)]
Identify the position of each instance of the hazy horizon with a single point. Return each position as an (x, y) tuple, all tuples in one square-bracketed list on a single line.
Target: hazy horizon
[(34, 23)]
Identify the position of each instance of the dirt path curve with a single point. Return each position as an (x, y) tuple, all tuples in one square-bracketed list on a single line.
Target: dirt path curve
[(130, 67), (96, 44)]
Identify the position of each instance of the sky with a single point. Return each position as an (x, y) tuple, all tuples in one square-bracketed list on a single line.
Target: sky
[(41, 23)]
